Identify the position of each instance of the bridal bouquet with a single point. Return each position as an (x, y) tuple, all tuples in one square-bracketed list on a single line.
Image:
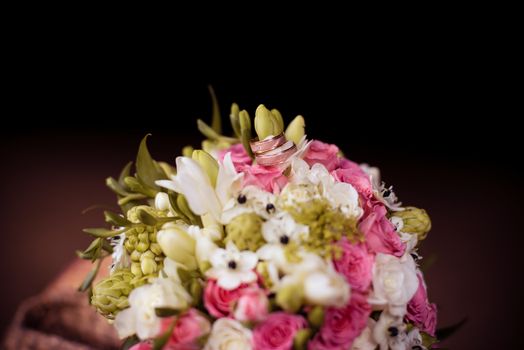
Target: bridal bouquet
[(261, 240)]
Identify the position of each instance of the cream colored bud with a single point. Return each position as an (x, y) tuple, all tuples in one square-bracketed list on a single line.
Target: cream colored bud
[(235, 119), (178, 246), (208, 163), (135, 255), (162, 201), (263, 122), (155, 248), (136, 269), (296, 129)]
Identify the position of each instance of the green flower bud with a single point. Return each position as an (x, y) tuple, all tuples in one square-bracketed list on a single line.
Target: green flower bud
[(235, 119), (195, 290), (133, 213), (110, 295), (290, 297), (136, 269), (142, 247), (415, 221), (301, 338), (187, 151), (245, 231), (296, 129), (143, 237), (155, 248), (277, 118), (208, 163), (148, 266), (263, 271), (316, 316), (263, 122), (135, 255)]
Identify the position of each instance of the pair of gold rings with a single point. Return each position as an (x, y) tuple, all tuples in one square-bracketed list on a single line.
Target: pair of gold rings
[(273, 150)]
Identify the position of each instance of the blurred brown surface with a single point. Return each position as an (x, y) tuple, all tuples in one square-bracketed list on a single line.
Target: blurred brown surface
[(61, 318)]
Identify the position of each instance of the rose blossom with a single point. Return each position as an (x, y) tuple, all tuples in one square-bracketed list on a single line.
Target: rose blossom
[(323, 153), (394, 283), (277, 331), (228, 334), (351, 173), (356, 264), (268, 178), (188, 329), (420, 311), (218, 301), (342, 325), (379, 232), (252, 305), (239, 156), (145, 345)]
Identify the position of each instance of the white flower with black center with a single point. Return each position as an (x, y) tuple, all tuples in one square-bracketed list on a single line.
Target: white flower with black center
[(232, 267), (283, 229), (250, 199)]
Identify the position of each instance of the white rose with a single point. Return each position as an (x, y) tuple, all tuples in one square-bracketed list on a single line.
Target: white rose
[(140, 317), (395, 282), (326, 288), (228, 334)]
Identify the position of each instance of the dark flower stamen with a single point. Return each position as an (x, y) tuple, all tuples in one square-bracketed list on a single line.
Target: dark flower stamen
[(270, 208), (241, 199), (232, 264), (393, 331), (284, 239)]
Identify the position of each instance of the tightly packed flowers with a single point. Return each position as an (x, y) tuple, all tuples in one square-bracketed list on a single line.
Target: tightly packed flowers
[(225, 251)]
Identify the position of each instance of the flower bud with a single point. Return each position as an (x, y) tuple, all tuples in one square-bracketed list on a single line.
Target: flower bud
[(187, 151), (290, 297), (296, 129), (208, 164), (263, 122), (162, 201), (148, 266), (245, 231), (316, 316), (301, 338), (110, 295), (235, 119), (277, 118), (136, 269), (415, 221), (178, 246)]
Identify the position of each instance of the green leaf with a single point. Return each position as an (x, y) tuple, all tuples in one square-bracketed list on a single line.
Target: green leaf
[(207, 131), (166, 312), (90, 278), (129, 342), (173, 201), (106, 246), (102, 232), (216, 120), (148, 171), (126, 171), (92, 252), (159, 342), (147, 218), (116, 187), (444, 333), (116, 219), (132, 197)]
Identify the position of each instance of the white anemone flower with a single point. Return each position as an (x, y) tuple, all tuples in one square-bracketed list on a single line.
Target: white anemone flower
[(231, 267), (193, 182), (250, 199)]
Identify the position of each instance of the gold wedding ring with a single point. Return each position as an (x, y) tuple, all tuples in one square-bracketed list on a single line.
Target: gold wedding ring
[(261, 147)]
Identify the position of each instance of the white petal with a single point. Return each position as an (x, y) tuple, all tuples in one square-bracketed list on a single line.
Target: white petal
[(125, 323), (219, 258), (229, 281), (248, 260), (170, 185)]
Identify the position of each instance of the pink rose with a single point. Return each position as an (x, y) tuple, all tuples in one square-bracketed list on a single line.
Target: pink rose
[(239, 156), (342, 325), (323, 153), (253, 305), (268, 178), (351, 173), (218, 301), (277, 331), (145, 345), (379, 232), (189, 327), (420, 311), (355, 264)]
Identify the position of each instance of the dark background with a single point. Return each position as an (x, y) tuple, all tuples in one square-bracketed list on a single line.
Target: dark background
[(435, 122)]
